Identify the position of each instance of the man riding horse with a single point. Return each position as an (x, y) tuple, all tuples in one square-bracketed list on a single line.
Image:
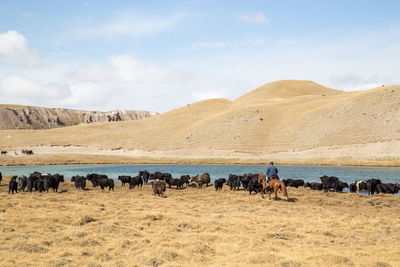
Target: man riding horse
[(272, 172)]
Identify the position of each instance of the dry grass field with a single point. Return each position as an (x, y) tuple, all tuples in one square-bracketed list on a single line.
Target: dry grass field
[(193, 227)]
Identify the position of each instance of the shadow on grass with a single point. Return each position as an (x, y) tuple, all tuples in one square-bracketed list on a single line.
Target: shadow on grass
[(63, 191)]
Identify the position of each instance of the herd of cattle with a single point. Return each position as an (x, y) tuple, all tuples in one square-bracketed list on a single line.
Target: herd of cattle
[(249, 182)]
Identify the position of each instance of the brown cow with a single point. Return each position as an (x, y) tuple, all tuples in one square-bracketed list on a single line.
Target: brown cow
[(159, 187), (201, 179)]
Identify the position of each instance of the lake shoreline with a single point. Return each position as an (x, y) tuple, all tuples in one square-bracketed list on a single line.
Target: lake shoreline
[(77, 159)]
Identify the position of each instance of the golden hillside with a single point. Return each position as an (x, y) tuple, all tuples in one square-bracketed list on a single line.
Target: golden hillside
[(294, 121)]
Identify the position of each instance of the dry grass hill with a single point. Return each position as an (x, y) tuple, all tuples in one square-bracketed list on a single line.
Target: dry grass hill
[(288, 121)]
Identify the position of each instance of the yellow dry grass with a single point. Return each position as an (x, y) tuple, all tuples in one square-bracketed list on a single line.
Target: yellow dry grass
[(193, 227)]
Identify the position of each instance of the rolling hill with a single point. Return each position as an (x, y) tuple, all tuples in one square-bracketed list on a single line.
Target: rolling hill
[(290, 121)]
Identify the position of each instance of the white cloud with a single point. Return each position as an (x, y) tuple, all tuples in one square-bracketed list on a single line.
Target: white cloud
[(210, 44), (26, 87), (130, 25), (254, 17), (14, 48)]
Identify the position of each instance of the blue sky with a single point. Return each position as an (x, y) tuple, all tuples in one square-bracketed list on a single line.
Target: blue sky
[(160, 55)]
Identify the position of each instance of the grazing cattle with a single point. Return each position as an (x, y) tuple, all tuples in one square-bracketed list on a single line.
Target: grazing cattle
[(22, 183), (177, 182), (370, 185), (245, 179), (353, 187), (101, 180), (124, 180), (160, 176), (46, 183), (201, 179), (13, 185), (145, 176), (159, 187), (314, 186), (55, 180), (38, 184), (387, 188), (219, 183), (27, 151), (341, 185), (233, 182), (4, 152), (29, 184), (293, 183), (329, 182), (185, 179), (136, 181), (254, 185), (80, 181)]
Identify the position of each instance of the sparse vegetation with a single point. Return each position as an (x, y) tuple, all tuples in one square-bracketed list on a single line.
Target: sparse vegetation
[(197, 227)]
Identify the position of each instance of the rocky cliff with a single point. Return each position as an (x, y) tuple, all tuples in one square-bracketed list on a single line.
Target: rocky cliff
[(29, 117)]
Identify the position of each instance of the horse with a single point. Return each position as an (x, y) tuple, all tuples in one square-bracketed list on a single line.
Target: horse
[(273, 185)]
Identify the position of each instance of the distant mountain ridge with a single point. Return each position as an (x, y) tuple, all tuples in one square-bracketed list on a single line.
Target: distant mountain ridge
[(31, 117)]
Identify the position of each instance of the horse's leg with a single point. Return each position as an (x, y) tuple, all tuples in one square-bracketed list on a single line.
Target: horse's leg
[(263, 189), (276, 192)]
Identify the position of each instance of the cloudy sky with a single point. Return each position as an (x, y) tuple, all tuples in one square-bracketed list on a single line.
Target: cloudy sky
[(160, 55)]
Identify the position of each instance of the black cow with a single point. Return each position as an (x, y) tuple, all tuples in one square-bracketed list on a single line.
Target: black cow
[(353, 188), (13, 185), (387, 188), (233, 182), (160, 176), (329, 182), (124, 180), (136, 181), (46, 183), (101, 180), (80, 181), (174, 181), (314, 186), (245, 179), (145, 176), (185, 179), (254, 185), (39, 185), (1, 177), (370, 185), (293, 183), (341, 185), (29, 184), (55, 180), (32, 181), (22, 183), (219, 183)]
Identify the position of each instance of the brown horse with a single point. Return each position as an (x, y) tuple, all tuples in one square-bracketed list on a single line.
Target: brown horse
[(273, 186)]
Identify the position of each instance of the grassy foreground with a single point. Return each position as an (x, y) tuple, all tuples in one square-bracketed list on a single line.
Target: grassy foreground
[(193, 227)]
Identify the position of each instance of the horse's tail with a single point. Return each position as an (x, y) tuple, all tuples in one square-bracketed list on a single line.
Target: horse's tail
[(284, 191)]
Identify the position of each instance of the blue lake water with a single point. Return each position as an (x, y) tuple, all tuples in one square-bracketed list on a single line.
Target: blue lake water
[(307, 173)]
